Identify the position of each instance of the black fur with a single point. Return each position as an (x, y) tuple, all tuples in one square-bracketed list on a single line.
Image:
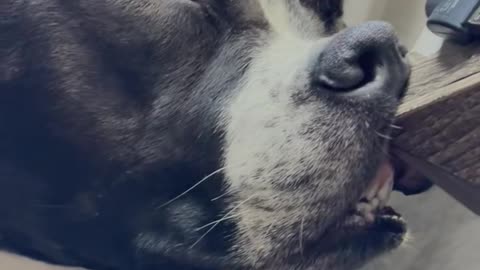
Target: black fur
[(328, 10), (108, 110), (86, 99)]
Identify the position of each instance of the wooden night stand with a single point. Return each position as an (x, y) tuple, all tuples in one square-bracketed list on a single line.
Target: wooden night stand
[(440, 116)]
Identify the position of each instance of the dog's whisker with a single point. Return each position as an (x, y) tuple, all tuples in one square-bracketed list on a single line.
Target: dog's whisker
[(301, 236), (267, 232), (396, 127), (223, 195), (193, 187), (384, 136), (220, 220)]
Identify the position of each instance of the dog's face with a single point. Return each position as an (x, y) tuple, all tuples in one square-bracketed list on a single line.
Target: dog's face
[(297, 118), (224, 134)]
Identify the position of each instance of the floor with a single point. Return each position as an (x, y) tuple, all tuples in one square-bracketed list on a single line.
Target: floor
[(444, 235)]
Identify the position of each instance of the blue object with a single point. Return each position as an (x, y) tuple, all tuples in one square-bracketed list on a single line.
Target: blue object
[(457, 20)]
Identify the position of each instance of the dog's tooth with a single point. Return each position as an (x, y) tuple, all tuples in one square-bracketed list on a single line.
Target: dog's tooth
[(370, 194), (366, 210), (384, 193), (370, 217), (364, 207), (390, 188), (371, 191), (384, 174), (360, 206), (375, 203)]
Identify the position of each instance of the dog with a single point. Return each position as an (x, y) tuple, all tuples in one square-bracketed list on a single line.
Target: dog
[(197, 134)]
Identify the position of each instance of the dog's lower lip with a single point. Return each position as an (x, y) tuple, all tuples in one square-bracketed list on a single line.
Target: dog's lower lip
[(385, 221), (388, 211), (388, 220)]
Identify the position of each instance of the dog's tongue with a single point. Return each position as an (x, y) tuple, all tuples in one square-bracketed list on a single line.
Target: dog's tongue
[(385, 173), (382, 184), (376, 196), (395, 175)]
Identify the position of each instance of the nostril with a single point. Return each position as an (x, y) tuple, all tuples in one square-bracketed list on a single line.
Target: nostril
[(340, 80), (346, 78), (359, 56), (403, 50), (368, 62)]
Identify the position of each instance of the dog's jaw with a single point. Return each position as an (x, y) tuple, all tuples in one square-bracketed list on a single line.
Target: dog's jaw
[(263, 138), (281, 157)]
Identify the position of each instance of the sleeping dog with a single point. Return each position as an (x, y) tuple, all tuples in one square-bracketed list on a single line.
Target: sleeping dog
[(206, 134)]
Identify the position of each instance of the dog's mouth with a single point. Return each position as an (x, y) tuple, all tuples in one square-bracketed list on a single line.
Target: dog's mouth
[(370, 225), (372, 212)]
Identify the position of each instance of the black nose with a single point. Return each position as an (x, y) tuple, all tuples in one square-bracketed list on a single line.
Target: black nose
[(367, 57)]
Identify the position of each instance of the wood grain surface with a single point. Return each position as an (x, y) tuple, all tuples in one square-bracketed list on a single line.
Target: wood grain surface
[(440, 115)]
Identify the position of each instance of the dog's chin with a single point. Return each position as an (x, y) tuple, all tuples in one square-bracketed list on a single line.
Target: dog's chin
[(370, 227), (372, 215), (356, 240), (360, 239)]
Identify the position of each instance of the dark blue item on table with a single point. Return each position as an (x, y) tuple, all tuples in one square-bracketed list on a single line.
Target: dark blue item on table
[(457, 20)]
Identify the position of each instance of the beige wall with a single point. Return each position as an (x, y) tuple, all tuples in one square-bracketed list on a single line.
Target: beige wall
[(357, 11), (408, 16)]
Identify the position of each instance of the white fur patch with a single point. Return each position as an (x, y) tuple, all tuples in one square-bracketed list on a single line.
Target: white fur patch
[(287, 17), (263, 145), (262, 115)]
